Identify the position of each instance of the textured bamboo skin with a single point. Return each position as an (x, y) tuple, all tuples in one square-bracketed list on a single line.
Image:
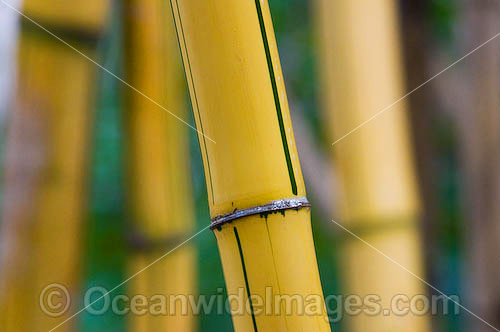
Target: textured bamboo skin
[(233, 101), (158, 160), (361, 76), (278, 253), (46, 166), (239, 101)]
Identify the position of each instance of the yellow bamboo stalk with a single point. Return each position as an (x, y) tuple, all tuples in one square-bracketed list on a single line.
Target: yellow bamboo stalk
[(80, 17), (46, 166), (259, 211), (160, 196), (361, 72)]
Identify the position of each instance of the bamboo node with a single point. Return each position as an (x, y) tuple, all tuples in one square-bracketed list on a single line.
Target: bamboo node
[(275, 206)]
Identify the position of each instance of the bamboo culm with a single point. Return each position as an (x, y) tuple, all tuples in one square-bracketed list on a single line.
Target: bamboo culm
[(158, 166), (361, 75), (260, 214), (46, 162)]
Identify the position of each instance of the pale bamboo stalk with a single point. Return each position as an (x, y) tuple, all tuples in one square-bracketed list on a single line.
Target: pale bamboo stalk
[(260, 215), (46, 163), (361, 75), (159, 172)]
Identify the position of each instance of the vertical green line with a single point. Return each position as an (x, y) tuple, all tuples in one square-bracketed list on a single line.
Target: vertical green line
[(246, 278), (276, 97)]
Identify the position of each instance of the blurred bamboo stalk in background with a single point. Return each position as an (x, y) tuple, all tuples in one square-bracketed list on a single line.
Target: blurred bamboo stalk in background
[(259, 211), (478, 120), (46, 162), (158, 164), (361, 75)]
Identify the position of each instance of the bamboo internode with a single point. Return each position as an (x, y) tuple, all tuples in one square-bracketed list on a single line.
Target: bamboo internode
[(252, 169), (158, 163), (361, 73), (46, 165)]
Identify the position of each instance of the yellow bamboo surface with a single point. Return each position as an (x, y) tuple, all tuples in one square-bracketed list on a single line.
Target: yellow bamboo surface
[(250, 159), (229, 81), (361, 72), (273, 255), (45, 181), (159, 195), (80, 16), (173, 275)]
